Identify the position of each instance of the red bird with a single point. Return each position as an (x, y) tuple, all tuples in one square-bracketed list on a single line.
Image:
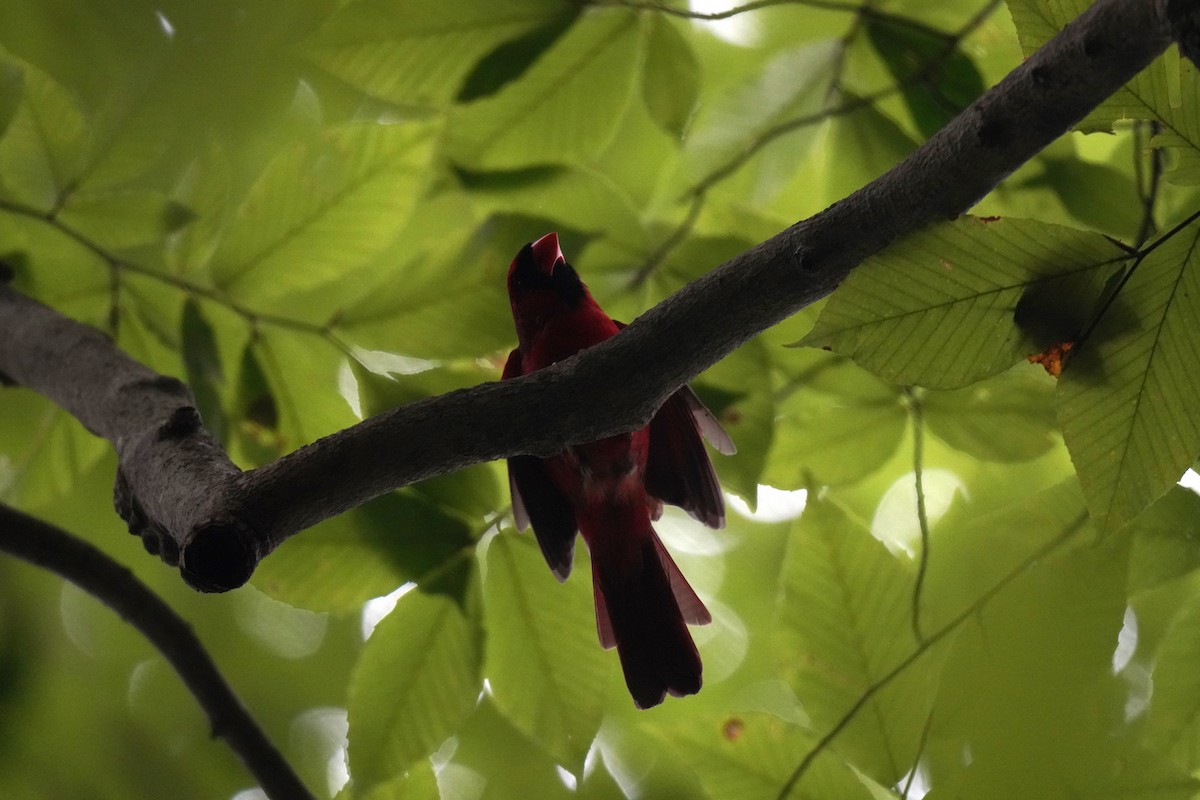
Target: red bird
[(610, 490)]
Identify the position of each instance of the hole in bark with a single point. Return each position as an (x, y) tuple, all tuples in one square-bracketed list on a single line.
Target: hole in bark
[(218, 558)]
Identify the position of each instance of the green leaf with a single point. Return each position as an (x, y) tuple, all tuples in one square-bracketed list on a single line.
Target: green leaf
[(45, 148), (749, 418), (1006, 418), (1156, 93), (205, 189), (544, 662), (489, 751), (45, 449), (744, 756), (12, 83), (580, 198), (121, 219), (205, 374), (57, 270), (365, 553), (857, 148), (835, 424), (417, 52), (302, 373), (255, 415), (790, 86), (417, 679), (445, 301), (934, 96), (320, 211), (844, 626), (1173, 726), (1126, 400), (549, 114), (966, 299), (1166, 540), (671, 79), (1030, 681), (418, 783), (1108, 768), (1179, 131), (1099, 196)]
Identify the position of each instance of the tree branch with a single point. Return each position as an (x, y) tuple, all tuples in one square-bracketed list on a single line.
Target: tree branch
[(91, 570), (187, 498)]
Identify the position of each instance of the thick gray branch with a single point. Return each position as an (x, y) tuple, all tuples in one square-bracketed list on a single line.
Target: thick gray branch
[(223, 521)]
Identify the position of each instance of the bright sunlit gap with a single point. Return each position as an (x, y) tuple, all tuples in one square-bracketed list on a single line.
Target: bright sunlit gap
[(915, 784), (167, 28), (740, 29), (319, 735), (250, 794), (896, 523), (568, 780), (285, 630), (374, 611), (772, 505), (1127, 641), (1138, 680), (1191, 480)]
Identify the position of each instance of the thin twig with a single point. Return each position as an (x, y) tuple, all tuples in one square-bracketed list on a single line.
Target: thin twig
[(1147, 185), (84, 565), (676, 236), (912, 773), (970, 611), (916, 409), (118, 265), (765, 138), (699, 190), (1139, 258)]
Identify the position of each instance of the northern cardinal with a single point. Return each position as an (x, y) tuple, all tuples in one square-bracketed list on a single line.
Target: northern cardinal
[(610, 490)]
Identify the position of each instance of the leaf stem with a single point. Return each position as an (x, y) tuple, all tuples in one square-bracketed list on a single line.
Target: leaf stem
[(916, 409)]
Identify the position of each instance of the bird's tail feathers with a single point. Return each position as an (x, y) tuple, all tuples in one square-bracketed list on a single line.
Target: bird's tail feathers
[(644, 612)]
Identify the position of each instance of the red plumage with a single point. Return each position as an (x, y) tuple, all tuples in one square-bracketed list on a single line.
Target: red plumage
[(609, 491)]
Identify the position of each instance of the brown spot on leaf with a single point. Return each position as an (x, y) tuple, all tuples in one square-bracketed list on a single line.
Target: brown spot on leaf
[(733, 729), (1054, 359)]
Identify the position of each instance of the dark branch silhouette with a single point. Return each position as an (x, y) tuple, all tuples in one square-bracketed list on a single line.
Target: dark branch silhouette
[(179, 491), (114, 585)]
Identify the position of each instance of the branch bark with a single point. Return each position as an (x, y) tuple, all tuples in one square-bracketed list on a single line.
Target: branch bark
[(113, 584), (179, 491)]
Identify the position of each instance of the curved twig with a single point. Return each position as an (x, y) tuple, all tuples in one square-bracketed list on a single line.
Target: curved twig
[(51, 548)]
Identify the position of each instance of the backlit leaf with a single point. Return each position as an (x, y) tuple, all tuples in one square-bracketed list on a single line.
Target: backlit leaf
[(1126, 399), (417, 679), (546, 117), (967, 299), (544, 662)]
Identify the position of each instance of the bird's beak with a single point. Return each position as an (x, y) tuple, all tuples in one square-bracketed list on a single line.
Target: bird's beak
[(547, 254)]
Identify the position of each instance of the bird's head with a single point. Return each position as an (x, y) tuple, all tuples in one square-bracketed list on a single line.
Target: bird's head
[(541, 285)]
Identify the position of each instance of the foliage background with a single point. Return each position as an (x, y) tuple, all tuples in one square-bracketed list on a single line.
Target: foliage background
[(306, 210)]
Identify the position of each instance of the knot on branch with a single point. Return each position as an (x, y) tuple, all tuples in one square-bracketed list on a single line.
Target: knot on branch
[(183, 422), (220, 556), (993, 131), (155, 538)]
